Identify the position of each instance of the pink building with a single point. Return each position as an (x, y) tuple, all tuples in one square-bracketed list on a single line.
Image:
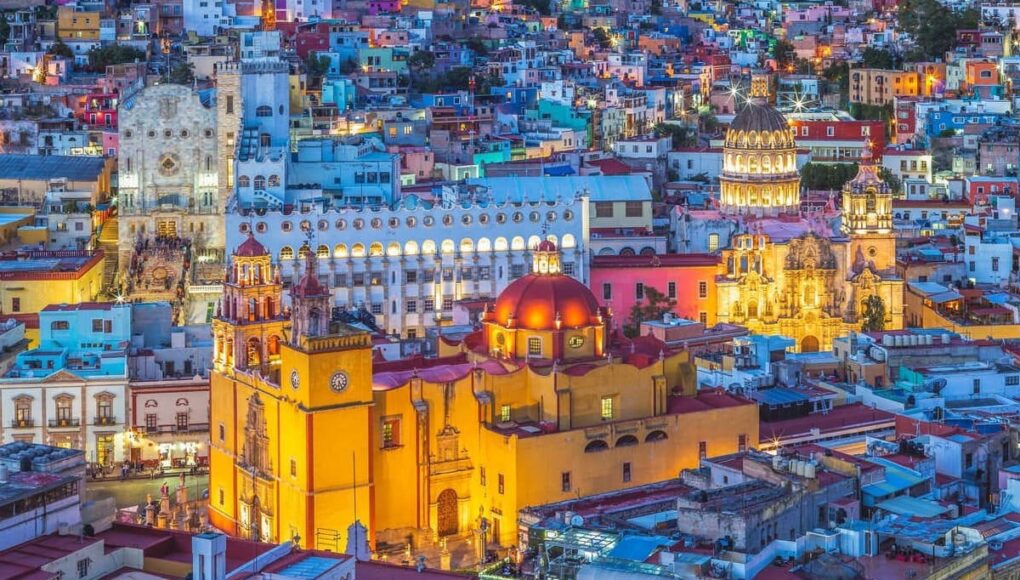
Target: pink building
[(416, 161), (620, 282)]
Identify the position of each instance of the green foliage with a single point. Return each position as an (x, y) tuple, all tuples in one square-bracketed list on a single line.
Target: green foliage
[(894, 182), (872, 112), (349, 66), (602, 37), (5, 28), (421, 60), (878, 58), (477, 45), (317, 66), (933, 26), (873, 315), (947, 133), (709, 124), (682, 136), (784, 54), (655, 304), (541, 6), (104, 56), (825, 176), (58, 48), (182, 74)]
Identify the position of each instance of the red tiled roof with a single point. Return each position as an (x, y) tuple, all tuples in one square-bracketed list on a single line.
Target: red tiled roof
[(707, 400), (656, 261), (611, 166), (843, 417)]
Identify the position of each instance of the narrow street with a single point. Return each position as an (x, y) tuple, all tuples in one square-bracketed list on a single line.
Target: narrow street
[(132, 492)]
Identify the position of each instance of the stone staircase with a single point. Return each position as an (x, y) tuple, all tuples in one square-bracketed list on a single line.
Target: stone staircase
[(108, 238)]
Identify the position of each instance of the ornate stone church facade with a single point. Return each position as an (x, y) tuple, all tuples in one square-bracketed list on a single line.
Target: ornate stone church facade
[(802, 275)]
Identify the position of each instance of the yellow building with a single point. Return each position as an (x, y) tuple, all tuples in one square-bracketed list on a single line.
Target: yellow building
[(31, 281), (74, 24), (310, 433), (797, 275), (872, 86)]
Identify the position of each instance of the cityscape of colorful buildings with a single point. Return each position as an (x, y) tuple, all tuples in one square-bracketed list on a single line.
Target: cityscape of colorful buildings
[(509, 289)]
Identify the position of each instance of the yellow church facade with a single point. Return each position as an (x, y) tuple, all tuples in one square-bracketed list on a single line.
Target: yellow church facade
[(807, 276), (540, 405)]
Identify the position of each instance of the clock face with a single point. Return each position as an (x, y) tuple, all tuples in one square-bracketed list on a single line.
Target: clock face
[(338, 382), (295, 379), (576, 341)]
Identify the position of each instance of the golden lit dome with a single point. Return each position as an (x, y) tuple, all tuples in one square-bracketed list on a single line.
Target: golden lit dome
[(759, 125), (537, 301), (546, 298)]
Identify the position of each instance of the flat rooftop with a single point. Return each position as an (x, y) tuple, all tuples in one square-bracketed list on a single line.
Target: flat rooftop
[(47, 167)]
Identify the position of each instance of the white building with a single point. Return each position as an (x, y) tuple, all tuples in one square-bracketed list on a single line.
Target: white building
[(989, 257), (71, 391)]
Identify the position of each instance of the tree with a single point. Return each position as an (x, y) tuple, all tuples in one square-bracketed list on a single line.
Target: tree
[(104, 56), (825, 176), (421, 60), (182, 74), (891, 179), (58, 48), (682, 136), (316, 66), (349, 66), (5, 29), (878, 58), (785, 54), (477, 45), (655, 304), (933, 26), (602, 37), (873, 315)]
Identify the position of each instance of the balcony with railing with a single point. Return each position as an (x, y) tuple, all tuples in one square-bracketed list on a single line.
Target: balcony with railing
[(104, 420), (64, 423), (22, 423), (172, 428)]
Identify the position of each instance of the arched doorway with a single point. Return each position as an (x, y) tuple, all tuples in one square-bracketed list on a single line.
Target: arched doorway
[(446, 523), (809, 344), (255, 524)]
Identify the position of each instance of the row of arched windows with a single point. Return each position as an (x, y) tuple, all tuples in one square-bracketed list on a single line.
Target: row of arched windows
[(624, 441), (260, 181), (427, 248)]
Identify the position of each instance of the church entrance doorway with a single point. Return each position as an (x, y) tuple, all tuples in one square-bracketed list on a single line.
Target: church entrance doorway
[(447, 516), (166, 228), (809, 344)]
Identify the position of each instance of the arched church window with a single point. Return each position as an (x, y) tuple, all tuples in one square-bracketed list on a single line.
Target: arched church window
[(286, 253), (274, 181), (260, 183), (264, 111), (870, 202), (244, 181)]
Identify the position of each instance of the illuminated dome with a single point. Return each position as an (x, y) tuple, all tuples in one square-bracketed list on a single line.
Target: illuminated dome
[(546, 296), (534, 302), (250, 248), (759, 174), (759, 125)]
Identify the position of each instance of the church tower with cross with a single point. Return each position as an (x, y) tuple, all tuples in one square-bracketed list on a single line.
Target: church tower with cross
[(291, 398)]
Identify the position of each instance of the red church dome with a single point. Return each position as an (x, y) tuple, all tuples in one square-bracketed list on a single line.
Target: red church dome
[(535, 300), (250, 248)]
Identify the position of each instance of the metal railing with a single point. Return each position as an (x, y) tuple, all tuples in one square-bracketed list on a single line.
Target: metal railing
[(57, 423)]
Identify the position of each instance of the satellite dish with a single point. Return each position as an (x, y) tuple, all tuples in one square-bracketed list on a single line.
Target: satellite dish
[(577, 521)]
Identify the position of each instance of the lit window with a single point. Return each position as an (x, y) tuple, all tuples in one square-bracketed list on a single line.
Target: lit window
[(565, 481), (504, 413), (391, 433), (606, 408), (535, 346)]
